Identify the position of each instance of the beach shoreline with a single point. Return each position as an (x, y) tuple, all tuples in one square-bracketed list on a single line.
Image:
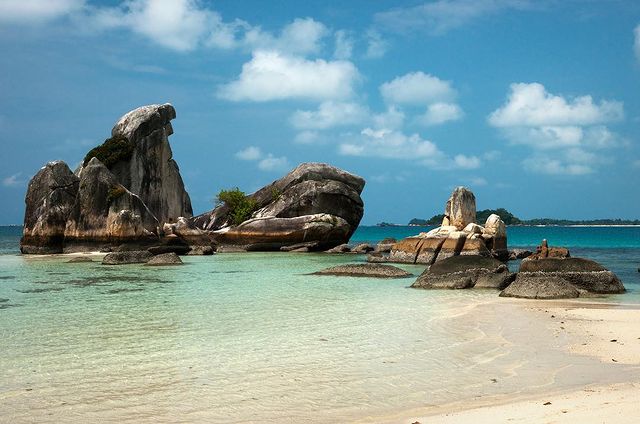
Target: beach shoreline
[(604, 332)]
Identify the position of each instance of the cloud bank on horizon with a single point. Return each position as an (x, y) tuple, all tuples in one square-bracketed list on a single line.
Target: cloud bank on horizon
[(387, 91)]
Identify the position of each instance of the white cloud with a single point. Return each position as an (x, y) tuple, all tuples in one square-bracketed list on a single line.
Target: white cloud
[(417, 88), (567, 136), (439, 113), (636, 43), (344, 45), (438, 17), (391, 144), (271, 75), (478, 181), (328, 115), (393, 119), (250, 153), (36, 11), (307, 137), (12, 180), (272, 163), (376, 45), (302, 36), (532, 105)]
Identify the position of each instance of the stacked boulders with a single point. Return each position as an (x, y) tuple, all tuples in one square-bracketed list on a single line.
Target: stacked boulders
[(458, 235)]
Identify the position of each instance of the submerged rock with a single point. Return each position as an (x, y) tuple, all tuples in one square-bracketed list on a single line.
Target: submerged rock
[(128, 257), (315, 195), (49, 201), (365, 270), (165, 259), (463, 272), (540, 286), (79, 259)]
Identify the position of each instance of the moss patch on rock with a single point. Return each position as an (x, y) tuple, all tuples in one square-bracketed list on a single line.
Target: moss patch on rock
[(112, 151)]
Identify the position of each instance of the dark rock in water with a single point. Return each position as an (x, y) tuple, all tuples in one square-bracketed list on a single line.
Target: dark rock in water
[(343, 248), (462, 272), (519, 254), (105, 211), (79, 259), (164, 259), (365, 270), (150, 172), (300, 247), (171, 243), (385, 245), (200, 251), (540, 286), (580, 277), (377, 257), (363, 248), (130, 257), (286, 206), (50, 198)]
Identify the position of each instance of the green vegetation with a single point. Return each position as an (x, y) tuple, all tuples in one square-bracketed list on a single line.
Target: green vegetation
[(115, 192), (275, 194), (510, 219), (112, 151), (240, 205)]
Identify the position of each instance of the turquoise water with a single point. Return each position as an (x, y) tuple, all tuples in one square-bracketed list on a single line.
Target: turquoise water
[(253, 338)]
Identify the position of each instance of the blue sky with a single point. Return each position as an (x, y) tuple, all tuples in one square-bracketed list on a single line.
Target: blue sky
[(534, 105)]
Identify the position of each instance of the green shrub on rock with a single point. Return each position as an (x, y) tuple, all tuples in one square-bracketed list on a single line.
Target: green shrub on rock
[(241, 207), (112, 151)]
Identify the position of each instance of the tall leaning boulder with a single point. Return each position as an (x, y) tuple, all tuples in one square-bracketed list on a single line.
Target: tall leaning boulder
[(460, 209), (50, 198), (105, 212), (140, 157)]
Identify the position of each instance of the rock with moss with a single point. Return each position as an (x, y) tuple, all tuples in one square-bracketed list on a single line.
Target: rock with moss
[(49, 201), (297, 199)]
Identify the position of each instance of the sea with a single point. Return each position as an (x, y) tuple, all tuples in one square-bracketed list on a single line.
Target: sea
[(253, 337)]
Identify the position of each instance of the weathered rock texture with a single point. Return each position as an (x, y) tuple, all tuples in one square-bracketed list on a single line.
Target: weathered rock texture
[(458, 235), (50, 198), (315, 202), (555, 278), (463, 272), (165, 259), (124, 191), (130, 257), (365, 270), (151, 172)]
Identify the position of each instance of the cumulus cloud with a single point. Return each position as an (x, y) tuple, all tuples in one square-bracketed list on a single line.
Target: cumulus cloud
[(328, 115), (250, 153), (392, 118), (532, 105), (392, 144), (267, 162), (37, 11), (307, 137), (302, 36), (438, 17), (572, 128), (439, 113), (417, 88), (376, 45), (12, 180), (344, 45), (271, 75), (272, 163)]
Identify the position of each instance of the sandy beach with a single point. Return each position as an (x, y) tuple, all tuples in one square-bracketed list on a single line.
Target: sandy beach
[(606, 332)]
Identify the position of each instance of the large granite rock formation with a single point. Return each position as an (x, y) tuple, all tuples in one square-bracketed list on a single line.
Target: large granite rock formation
[(463, 272), (50, 198), (316, 204), (123, 192), (106, 212), (550, 277), (148, 169), (458, 235)]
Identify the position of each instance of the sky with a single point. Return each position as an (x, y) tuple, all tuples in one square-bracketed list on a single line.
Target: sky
[(532, 104)]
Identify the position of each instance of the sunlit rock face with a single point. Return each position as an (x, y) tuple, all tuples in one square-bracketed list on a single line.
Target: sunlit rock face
[(459, 235), (315, 204)]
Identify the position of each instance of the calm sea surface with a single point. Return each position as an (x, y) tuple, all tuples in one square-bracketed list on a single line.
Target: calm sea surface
[(254, 338)]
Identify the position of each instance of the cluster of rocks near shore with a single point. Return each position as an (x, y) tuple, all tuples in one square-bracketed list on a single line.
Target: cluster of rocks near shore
[(128, 195)]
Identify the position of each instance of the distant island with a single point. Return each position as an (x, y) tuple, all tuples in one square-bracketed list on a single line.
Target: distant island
[(510, 219)]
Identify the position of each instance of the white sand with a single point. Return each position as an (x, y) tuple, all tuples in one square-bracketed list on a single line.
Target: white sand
[(608, 332)]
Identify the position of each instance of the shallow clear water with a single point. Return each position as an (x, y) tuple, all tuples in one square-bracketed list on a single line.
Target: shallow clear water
[(253, 337)]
